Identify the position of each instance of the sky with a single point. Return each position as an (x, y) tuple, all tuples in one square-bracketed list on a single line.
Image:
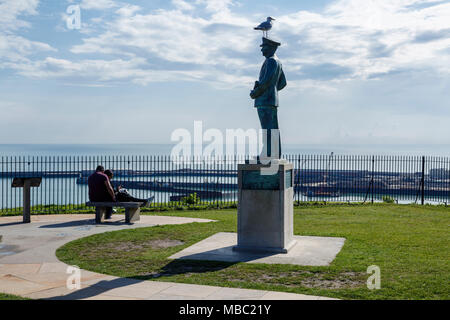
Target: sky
[(365, 72)]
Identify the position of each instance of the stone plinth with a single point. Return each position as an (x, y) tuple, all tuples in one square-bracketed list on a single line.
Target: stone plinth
[(265, 207)]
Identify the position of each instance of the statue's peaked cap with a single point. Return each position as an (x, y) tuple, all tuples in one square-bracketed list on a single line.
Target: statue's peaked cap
[(268, 42)]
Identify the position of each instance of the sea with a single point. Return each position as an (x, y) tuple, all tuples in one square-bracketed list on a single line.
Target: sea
[(165, 149)]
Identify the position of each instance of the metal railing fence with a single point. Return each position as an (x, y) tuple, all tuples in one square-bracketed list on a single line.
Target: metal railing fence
[(331, 178)]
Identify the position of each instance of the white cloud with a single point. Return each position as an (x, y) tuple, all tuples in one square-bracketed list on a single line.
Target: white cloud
[(10, 10), (205, 40), (13, 47), (217, 5), (372, 37), (135, 69), (183, 5), (128, 10), (97, 4), (198, 48), (16, 48), (173, 36)]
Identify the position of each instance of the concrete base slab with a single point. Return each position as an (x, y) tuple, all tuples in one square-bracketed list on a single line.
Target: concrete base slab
[(289, 246), (308, 251)]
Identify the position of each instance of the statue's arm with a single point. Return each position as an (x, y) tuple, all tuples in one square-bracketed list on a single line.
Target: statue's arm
[(282, 82), (266, 80)]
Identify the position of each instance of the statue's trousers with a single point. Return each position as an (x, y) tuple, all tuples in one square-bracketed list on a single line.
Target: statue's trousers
[(268, 116)]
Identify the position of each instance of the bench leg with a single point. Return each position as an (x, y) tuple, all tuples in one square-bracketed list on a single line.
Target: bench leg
[(100, 214), (132, 214)]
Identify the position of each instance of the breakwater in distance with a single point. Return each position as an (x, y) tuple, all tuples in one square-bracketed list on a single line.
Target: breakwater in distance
[(309, 182)]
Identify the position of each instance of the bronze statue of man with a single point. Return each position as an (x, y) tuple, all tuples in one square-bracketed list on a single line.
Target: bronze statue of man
[(265, 93)]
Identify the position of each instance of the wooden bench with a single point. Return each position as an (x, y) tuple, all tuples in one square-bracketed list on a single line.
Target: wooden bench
[(132, 210)]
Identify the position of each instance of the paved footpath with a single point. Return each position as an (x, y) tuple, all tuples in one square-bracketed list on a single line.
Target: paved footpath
[(29, 267)]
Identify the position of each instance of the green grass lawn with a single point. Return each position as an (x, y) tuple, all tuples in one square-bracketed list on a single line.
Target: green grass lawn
[(4, 296), (409, 243)]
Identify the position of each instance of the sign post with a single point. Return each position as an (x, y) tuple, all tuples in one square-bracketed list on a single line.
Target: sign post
[(26, 184)]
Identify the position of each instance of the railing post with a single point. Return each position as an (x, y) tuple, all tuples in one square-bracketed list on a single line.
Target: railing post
[(423, 180), (297, 180), (373, 176)]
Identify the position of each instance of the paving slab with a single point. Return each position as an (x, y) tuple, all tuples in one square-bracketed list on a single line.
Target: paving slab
[(308, 251), (108, 297), (53, 267), (47, 279), (19, 269), (50, 293), (144, 290), (11, 284), (125, 287), (82, 294), (160, 296), (237, 294), (271, 295), (190, 290)]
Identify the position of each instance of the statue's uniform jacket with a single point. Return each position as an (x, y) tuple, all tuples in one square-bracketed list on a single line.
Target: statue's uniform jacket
[(271, 80)]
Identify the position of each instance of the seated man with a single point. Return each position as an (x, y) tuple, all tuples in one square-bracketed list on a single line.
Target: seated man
[(122, 195), (100, 189)]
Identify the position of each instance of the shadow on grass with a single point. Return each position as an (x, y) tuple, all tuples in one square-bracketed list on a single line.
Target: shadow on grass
[(183, 267), (204, 262)]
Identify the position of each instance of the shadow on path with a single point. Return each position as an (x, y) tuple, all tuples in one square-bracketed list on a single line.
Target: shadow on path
[(12, 224), (100, 287), (81, 223), (227, 255)]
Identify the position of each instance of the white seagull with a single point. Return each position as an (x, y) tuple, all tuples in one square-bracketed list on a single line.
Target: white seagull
[(265, 26)]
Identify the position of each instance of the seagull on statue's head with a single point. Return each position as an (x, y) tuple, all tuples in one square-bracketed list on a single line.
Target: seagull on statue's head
[(265, 26)]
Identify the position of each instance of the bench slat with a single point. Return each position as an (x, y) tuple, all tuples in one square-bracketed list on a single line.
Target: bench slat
[(115, 204)]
